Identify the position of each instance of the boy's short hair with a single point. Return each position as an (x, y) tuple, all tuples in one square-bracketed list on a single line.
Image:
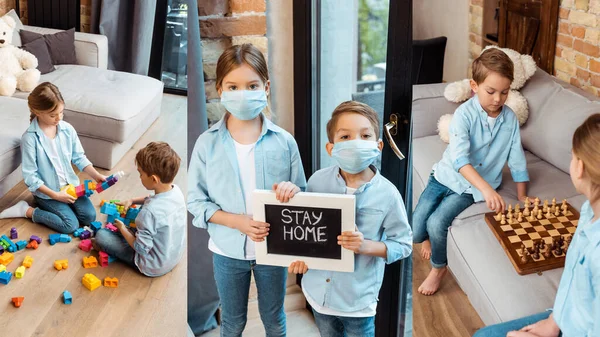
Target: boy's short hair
[(159, 159), (492, 60), (352, 107)]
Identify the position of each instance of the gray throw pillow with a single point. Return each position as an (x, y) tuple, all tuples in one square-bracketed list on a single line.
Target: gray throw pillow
[(61, 45), (40, 50)]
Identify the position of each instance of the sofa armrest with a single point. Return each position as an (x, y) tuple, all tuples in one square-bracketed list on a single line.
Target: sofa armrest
[(91, 49), (428, 105)]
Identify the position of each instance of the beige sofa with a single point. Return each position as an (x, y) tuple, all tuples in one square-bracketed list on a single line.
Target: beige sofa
[(110, 110)]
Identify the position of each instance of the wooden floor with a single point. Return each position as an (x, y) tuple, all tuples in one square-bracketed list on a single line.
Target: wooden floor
[(448, 313), (140, 306)]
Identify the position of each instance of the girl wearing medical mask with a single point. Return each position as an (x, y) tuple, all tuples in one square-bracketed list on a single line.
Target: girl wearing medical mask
[(244, 151)]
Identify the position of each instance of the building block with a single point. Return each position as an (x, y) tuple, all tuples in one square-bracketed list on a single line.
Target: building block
[(103, 259), (90, 281), (20, 272), (13, 233), (90, 230), (85, 235), (61, 264), (36, 238), (111, 227), (54, 238), (78, 232), (65, 238), (21, 244), (5, 277), (86, 189), (2, 268), (85, 245), (1, 250), (28, 261), (32, 244), (110, 181), (90, 262), (111, 282), (6, 258), (17, 301), (67, 297), (8, 244), (96, 225), (111, 259)]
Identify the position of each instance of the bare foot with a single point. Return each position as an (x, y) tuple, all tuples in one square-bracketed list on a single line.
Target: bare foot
[(426, 249), (432, 282)]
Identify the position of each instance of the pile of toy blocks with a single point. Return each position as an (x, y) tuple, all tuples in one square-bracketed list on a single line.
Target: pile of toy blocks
[(117, 212), (89, 187)]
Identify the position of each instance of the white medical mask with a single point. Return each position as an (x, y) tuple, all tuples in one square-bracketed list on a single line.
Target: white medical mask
[(354, 156), (244, 104)]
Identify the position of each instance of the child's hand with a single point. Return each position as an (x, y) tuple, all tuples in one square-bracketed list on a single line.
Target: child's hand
[(544, 328), (126, 204), (285, 190), (255, 230), (298, 267), (65, 197), (493, 200), (352, 240), (521, 334), (120, 225), (100, 178)]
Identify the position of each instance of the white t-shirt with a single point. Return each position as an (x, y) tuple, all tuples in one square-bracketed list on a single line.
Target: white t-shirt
[(245, 159), (56, 162), (369, 311), (492, 122)]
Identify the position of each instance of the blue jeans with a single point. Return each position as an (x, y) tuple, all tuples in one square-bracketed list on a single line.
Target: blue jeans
[(64, 218), (233, 284), (114, 244), (338, 326), (500, 330), (435, 211)]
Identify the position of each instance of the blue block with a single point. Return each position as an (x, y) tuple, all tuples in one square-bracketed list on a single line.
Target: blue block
[(67, 298), (21, 244), (96, 225), (132, 213), (5, 277), (10, 246), (109, 209), (64, 238), (78, 232), (54, 238), (111, 259)]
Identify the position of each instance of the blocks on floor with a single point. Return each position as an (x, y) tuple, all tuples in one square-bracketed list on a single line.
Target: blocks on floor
[(90, 262), (90, 281), (61, 264), (111, 282)]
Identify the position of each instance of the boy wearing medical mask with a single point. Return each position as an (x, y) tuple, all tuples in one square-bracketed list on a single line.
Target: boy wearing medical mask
[(344, 304)]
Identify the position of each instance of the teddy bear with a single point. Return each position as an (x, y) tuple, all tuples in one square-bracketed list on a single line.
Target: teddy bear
[(17, 66), (460, 91)]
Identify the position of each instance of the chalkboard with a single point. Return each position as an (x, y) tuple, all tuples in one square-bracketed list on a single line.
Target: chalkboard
[(306, 229)]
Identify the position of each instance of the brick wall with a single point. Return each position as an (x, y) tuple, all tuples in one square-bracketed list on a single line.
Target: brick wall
[(475, 30), (577, 58), (224, 23), (6, 5)]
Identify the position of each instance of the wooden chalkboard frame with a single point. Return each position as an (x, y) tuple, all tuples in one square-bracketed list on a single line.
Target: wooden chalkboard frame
[(323, 200)]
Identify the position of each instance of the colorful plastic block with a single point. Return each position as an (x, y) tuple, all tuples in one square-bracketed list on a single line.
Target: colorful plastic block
[(13, 233), (111, 259), (87, 188), (90, 262), (2, 268), (8, 244), (103, 259), (54, 238), (36, 238), (65, 238), (90, 281), (111, 227), (61, 264), (5, 277), (32, 244), (1, 250), (110, 181), (17, 301), (132, 213), (96, 225), (111, 282), (78, 232), (67, 298), (85, 245), (85, 235), (28, 261), (91, 231), (20, 272), (6, 258), (21, 245)]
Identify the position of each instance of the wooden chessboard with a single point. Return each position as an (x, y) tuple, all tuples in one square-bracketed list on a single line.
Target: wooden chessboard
[(513, 235)]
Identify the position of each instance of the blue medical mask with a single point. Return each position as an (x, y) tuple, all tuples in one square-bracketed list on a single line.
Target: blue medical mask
[(354, 156), (244, 104)]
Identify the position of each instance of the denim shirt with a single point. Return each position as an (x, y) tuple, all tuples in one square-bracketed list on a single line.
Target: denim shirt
[(577, 304), (472, 142), (160, 235), (380, 216), (214, 181), (37, 167)]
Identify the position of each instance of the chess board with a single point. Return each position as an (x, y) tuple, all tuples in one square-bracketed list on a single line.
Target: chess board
[(513, 235)]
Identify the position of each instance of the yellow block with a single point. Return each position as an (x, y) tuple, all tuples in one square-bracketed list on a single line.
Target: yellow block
[(2, 268), (61, 264), (90, 262), (28, 261), (90, 281), (70, 190), (6, 258), (111, 282), (20, 272)]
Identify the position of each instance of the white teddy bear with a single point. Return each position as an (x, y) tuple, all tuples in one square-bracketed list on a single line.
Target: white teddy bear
[(460, 91), (17, 66)]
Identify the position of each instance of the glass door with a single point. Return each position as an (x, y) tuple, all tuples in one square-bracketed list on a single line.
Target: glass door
[(359, 50)]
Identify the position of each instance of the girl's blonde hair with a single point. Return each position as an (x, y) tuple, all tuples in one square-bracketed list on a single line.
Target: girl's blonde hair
[(44, 98), (586, 146), (235, 56)]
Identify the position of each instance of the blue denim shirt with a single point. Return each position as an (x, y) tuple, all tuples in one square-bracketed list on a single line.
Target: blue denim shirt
[(214, 180), (380, 216), (37, 167), (472, 142), (160, 235), (577, 304)]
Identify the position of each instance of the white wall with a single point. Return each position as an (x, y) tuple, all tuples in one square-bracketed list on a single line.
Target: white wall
[(433, 18)]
